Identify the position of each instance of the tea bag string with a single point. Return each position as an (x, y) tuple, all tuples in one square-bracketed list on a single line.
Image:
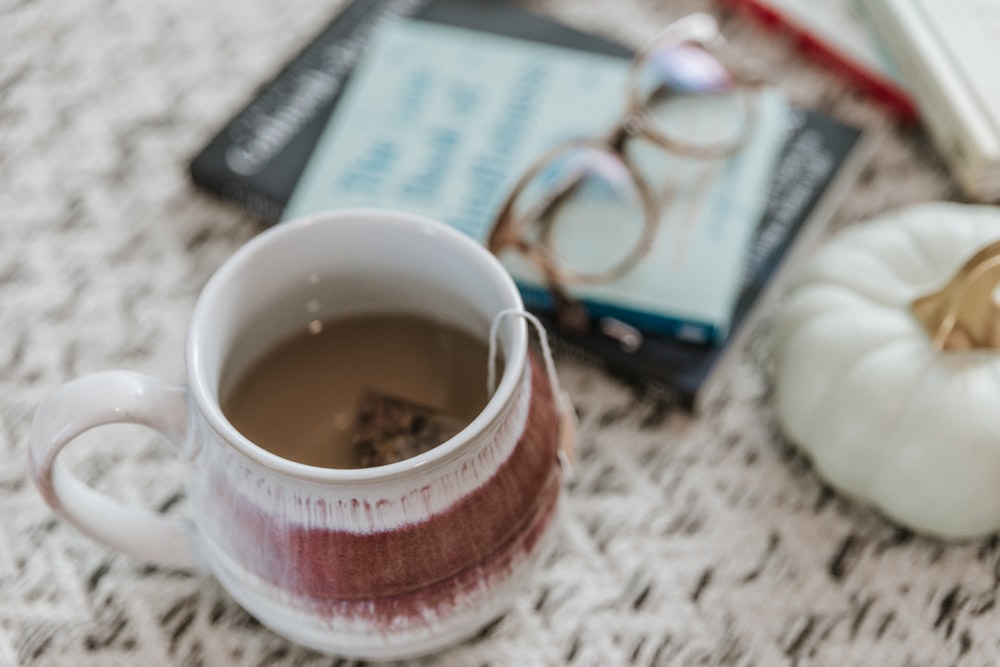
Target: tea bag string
[(567, 414), (543, 339)]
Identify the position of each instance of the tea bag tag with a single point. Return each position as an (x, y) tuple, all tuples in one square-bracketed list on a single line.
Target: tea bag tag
[(568, 420)]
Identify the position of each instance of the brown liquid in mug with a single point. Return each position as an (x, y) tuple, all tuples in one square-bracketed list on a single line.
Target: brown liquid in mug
[(301, 399)]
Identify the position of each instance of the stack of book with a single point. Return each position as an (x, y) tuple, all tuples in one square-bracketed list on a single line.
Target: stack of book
[(436, 107), (932, 60)]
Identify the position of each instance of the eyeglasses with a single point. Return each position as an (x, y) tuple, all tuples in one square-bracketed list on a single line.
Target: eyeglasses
[(685, 93)]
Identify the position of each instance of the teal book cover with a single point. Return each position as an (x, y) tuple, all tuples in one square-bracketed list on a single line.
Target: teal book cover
[(441, 121)]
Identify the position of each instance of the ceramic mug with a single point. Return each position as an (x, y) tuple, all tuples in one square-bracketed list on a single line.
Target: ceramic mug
[(386, 562)]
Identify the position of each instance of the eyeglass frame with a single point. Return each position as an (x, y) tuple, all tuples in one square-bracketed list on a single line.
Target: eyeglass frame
[(507, 232)]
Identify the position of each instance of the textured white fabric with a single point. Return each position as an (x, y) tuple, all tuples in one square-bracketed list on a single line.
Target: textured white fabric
[(686, 540)]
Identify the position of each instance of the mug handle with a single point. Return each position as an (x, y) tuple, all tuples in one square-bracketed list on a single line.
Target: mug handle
[(112, 397)]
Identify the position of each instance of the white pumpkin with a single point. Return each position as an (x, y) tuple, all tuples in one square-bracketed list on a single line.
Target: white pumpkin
[(897, 409)]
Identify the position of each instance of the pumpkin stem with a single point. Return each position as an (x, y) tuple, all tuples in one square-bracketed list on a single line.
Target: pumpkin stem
[(963, 314)]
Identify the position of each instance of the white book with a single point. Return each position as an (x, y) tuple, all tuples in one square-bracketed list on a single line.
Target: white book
[(949, 52)]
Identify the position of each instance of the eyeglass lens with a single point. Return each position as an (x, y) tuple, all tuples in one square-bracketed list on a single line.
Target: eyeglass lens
[(690, 99), (588, 213)]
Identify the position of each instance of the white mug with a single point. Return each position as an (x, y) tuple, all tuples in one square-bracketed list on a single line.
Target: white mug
[(376, 563)]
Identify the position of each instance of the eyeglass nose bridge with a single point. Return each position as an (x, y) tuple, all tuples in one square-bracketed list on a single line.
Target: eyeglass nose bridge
[(630, 125)]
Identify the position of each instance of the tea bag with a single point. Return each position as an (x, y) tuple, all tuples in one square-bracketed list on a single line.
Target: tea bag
[(389, 429)]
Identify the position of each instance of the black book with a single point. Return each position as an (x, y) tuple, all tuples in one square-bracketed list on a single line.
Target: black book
[(256, 159)]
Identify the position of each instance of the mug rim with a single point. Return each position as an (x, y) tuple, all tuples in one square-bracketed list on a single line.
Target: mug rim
[(239, 262)]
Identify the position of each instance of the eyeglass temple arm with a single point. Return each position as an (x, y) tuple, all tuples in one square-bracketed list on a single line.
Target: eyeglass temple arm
[(570, 313), (571, 316)]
